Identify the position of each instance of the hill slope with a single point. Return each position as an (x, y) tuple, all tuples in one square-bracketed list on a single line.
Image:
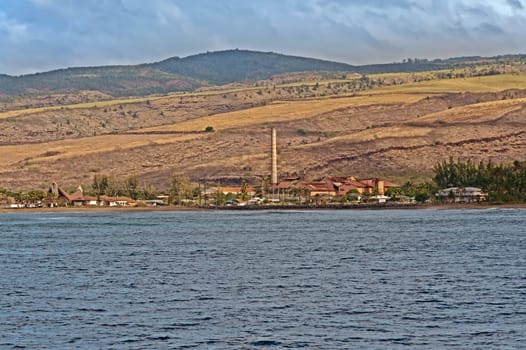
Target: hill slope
[(171, 75), (230, 66), (137, 80), (398, 132), (211, 68)]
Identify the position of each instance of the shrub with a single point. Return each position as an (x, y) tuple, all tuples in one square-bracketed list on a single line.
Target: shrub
[(301, 132), (421, 197)]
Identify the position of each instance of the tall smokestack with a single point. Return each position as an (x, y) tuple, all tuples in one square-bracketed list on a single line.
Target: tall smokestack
[(274, 176)]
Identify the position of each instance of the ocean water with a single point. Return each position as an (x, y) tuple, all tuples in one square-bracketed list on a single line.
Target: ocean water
[(383, 279)]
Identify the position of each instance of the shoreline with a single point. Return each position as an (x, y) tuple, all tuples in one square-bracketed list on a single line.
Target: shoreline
[(459, 206)]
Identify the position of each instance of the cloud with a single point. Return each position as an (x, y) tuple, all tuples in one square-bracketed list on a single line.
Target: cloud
[(46, 34), (515, 4), (11, 30)]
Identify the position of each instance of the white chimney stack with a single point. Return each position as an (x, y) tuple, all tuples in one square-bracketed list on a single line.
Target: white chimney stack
[(274, 175)]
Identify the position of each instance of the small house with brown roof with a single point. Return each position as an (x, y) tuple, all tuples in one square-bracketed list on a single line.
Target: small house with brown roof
[(317, 188), (379, 186), (78, 198), (116, 201), (232, 190), (343, 184)]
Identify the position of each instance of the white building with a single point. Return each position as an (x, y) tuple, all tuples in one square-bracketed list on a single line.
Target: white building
[(462, 194)]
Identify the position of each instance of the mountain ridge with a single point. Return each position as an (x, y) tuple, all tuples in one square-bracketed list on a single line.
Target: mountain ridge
[(192, 72)]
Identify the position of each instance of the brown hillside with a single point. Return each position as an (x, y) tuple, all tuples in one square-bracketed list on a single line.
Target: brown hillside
[(394, 132)]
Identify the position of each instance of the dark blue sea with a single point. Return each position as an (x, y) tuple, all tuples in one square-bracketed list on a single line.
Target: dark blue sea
[(354, 279)]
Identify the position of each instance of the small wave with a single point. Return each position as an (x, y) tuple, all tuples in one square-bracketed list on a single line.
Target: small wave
[(115, 324), (297, 345), (423, 301), (204, 318), (265, 342), (395, 340), (74, 340), (129, 340), (411, 318), (159, 337), (83, 309), (177, 325), (483, 333)]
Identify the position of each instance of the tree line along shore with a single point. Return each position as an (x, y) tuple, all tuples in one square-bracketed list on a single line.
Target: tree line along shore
[(455, 182)]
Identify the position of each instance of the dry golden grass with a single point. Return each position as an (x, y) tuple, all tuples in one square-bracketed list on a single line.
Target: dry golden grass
[(116, 102), (83, 146), (202, 153), (493, 83), (284, 111), (98, 104), (403, 76), (480, 112), (476, 84), (376, 134)]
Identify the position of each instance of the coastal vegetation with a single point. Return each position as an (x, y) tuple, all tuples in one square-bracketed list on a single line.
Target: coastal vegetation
[(503, 182)]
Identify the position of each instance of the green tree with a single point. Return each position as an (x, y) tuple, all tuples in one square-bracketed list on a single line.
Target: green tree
[(147, 192), (421, 197), (99, 185), (179, 189), (219, 196), (114, 187), (393, 192), (244, 191), (502, 182), (131, 187), (352, 195)]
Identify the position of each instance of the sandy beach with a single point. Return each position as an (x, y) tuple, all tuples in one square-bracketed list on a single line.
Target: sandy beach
[(459, 206)]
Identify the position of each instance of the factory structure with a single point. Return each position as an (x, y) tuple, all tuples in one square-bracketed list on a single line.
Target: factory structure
[(273, 157), (286, 190), (298, 189), (326, 187)]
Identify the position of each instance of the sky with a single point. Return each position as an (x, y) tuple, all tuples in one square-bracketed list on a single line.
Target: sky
[(41, 35)]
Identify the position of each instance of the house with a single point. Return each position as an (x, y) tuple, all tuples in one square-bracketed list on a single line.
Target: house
[(380, 198), (379, 186), (78, 199), (6, 201), (153, 202), (116, 201), (232, 190), (388, 185), (287, 184), (405, 199), (462, 195), (317, 188), (57, 196), (336, 186), (343, 184)]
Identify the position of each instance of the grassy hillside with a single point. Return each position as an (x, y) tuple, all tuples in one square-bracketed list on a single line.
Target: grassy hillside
[(211, 69), (397, 131), (230, 66), (115, 80), (171, 75)]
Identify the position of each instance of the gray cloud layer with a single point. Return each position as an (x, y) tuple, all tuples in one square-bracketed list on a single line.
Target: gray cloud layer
[(38, 35)]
